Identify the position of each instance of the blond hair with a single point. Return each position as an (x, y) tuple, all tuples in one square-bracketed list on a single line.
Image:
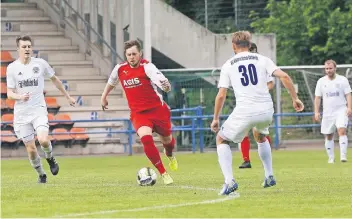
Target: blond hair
[(330, 61), (241, 38)]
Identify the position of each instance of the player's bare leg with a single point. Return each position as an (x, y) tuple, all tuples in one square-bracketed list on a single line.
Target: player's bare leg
[(150, 150), (329, 146), (343, 141), (225, 161), (264, 151), (169, 145), (34, 159), (43, 138)]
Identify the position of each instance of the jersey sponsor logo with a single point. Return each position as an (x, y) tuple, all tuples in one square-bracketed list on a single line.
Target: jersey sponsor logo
[(28, 83), (333, 94), (130, 83)]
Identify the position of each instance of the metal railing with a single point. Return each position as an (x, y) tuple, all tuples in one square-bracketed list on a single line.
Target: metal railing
[(197, 125), (66, 11)]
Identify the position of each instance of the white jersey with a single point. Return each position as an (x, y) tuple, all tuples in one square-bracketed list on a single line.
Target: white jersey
[(248, 74), (28, 78), (333, 93)]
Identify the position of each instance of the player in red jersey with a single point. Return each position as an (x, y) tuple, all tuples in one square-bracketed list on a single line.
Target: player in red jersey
[(246, 144), (149, 113)]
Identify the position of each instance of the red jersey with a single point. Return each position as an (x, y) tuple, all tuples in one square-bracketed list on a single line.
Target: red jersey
[(139, 84)]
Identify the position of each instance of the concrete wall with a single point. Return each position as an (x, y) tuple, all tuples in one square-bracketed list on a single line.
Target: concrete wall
[(173, 34)]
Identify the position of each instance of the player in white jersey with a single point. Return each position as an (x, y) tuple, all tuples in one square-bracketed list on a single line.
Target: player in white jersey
[(335, 91), (247, 74), (25, 84)]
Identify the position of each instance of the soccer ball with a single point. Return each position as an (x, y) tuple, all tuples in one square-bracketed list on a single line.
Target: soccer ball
[(146, 176)]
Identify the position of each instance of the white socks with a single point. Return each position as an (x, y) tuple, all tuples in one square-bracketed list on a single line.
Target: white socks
[(225, 161), (264, 152), (48, 150), (343, 141), (329, 146), (37, 165)]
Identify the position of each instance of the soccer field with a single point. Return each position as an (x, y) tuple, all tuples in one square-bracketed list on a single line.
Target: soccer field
[(105, 186)]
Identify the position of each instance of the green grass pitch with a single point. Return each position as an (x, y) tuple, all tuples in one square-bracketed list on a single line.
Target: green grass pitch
[(105, 186)]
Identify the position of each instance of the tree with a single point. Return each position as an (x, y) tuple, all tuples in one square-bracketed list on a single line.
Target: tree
[(310, 31)]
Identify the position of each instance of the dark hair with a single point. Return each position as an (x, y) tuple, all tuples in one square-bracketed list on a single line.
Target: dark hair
[(131, 43), (23, 38), (253, 48)]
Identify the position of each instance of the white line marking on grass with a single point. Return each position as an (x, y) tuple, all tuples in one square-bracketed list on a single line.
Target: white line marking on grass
[(194, 188), (212, 201)]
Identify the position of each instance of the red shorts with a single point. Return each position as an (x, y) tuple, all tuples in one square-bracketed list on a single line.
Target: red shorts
[(158, 119)]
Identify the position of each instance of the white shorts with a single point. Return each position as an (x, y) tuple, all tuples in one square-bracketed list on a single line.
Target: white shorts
[(25, 131), (236, 127), (329, 124)]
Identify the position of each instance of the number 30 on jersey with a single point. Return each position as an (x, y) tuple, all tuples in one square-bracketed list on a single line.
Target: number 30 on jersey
[(249, 74)]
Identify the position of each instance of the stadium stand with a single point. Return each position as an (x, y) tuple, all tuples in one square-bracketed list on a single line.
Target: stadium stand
[(83, 80), (6, 58), (3, 72)]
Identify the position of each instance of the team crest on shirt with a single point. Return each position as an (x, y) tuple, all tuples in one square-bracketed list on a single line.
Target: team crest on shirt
[(35, 70)]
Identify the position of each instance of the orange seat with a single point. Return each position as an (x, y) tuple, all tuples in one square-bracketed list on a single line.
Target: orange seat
[(61, 137), (64, 117), (51, 102), (10, 103), (51, 117), (79, 136), (7, 118), (3, 104), (8, 139), (3, 71), (3, 88), (6, 56)]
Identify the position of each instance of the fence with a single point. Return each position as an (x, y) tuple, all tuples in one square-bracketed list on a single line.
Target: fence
[(193, 87), (196, 127)]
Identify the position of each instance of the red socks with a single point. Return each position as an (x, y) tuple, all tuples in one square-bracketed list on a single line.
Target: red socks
[(152, 153), (245, 146), (169, 147)]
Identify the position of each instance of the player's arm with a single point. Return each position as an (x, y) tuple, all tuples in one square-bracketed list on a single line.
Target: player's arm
[(224, 84), (287, 82), (347, 91), (110, 85), (157, 77), (58, 84), (317, 101), (270, 82), (49, 72), (11, 87), (219, 102), (11, 94)]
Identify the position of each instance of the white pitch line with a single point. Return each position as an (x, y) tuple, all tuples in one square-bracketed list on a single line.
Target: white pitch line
[(212, 201), (194, 188)]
